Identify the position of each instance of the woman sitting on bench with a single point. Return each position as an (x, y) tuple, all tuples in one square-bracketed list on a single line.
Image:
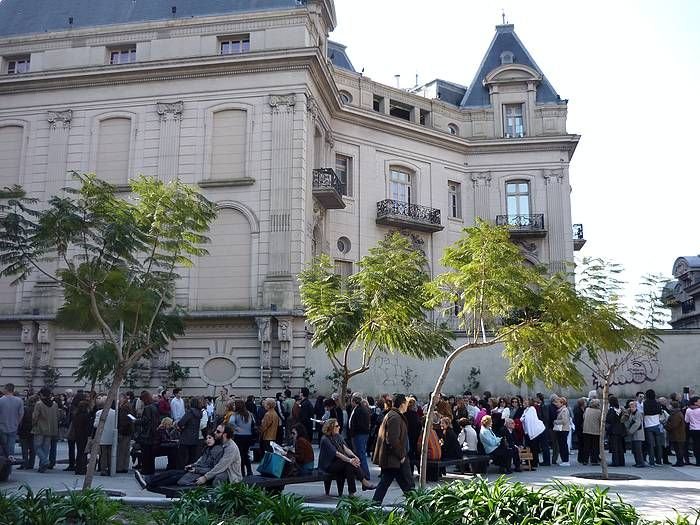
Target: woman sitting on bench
[(335, 457), (496, 447), (210, 456)]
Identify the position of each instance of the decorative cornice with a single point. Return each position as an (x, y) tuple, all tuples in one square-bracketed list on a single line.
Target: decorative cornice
[(170, 110), (64, 117)]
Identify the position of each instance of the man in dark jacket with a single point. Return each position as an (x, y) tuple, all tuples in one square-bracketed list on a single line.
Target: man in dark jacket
[(358, 430), (148, 433), (189, 434), (306, 411), (390, 452), (125, 429)]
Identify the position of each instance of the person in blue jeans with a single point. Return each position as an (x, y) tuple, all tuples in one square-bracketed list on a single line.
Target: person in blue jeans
[(652, 428), (11, 413), (358, 430)]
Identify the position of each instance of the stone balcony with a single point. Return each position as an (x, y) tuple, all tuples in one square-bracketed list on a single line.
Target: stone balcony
[(328, 189), (409, 216)]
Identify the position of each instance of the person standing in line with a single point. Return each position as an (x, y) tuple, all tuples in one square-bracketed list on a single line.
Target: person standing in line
[(579, 409), (82, 429), (616, 431), (358, 429), (125, 428), (177, 406), (652, 428), (306, 411), (11, 413), (534, 430), (188, 425), (220, 404), (634, 423), (164, 404), (44, 427), (269, 424), (24, 432), (561, 426), (591, 432), (107, 438), (148, 433), (692, 417), (390, 452), (243, 427)]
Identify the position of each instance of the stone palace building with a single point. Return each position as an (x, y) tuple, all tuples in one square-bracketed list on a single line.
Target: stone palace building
[(250, 101)]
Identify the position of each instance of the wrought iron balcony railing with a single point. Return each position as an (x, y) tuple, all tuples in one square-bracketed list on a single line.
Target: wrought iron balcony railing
[(688, 306), (579, 240), (523, 225), (328, 188), (406, 215)]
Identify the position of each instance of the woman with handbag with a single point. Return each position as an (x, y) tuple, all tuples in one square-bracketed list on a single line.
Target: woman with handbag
[(335, 457)]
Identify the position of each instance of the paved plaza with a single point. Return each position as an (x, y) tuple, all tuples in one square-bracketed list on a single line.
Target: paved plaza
[(659, 492)]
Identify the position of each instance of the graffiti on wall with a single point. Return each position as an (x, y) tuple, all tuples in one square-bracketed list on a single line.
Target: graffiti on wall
[(640, 369)]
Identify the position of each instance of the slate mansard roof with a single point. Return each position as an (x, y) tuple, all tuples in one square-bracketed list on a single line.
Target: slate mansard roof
[(22, 17), (505, 40)]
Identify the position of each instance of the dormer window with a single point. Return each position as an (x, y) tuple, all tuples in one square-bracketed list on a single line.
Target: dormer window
[(122, 55), (507, 57), (513, 124), (18, 65), (234, 45), (453, 129)]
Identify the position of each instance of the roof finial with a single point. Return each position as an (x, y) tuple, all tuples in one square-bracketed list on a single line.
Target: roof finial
[(503, 16)]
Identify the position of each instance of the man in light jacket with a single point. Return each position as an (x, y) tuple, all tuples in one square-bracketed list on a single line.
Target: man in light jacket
[(11, 413), (44, 426), (106, 439), (228, 469)]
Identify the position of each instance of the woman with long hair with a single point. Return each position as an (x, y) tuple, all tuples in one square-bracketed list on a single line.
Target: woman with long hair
[(335, 457), (243, 426)]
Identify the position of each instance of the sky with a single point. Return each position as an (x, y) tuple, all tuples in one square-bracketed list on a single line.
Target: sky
[(631, 72)]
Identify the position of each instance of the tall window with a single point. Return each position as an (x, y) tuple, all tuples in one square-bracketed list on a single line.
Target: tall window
[(228, 144), (234, 45), (18, 65), (517, 199), (124, 55), (454, 199), (113, 150), (343, 169), (400, 186), (513, 125), (10, 154)]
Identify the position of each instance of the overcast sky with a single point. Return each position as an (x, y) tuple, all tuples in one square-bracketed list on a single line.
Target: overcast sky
[(632, 76)]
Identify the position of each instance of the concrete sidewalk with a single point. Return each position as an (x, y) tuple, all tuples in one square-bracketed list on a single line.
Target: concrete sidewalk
[(659, 491)]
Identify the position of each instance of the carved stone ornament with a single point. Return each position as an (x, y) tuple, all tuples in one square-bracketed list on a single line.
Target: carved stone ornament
[(552, 176), (170, 110), (481, 179), (330, 139), (28, 338), (284, 334), (527, 246), (44, 337), (264, 334), (60, 117), (277, 101)]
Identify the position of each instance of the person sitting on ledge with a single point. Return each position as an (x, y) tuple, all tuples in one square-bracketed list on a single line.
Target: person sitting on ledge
[(210, 457)]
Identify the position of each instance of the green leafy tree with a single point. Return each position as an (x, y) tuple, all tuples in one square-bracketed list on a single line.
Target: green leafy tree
[(599, 281), (379, 308), (97, 364), (117, 262), (543, 323)]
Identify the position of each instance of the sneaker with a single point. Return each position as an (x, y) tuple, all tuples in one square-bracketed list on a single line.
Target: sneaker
[(140, 479), (565, 464)]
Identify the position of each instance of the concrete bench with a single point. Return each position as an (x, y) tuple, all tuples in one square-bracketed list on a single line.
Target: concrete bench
[(477, 464), (268, 483)]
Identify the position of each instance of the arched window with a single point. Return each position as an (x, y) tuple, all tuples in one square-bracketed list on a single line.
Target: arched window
[(228, 144), (114, 150), (517, 198), (400, 185), (453, 129), (10, 154)]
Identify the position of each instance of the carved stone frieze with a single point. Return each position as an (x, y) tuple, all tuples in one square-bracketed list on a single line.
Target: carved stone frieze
[(170, 110), (284, 334), (60, 118)]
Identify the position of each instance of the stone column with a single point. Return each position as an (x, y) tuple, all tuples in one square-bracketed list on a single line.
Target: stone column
[(264, 336), (482, 185), (284, 334), (59, 129), (169, 143), (28, 339), (558, 231), (280, 183)]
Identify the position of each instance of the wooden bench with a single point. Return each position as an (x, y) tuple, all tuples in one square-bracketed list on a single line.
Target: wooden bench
[(268, 483)]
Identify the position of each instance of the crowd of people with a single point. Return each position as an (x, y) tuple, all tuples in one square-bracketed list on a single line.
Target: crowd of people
[(215, 439)]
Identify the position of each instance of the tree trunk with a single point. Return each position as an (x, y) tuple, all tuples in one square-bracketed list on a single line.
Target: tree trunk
[(433, 402), (343, 390), (603, 418), (95, 450)]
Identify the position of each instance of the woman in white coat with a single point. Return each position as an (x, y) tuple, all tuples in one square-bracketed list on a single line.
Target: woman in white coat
[(533, 428)]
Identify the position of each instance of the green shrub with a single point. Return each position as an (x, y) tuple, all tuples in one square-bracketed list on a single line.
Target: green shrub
[(92, 507)]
